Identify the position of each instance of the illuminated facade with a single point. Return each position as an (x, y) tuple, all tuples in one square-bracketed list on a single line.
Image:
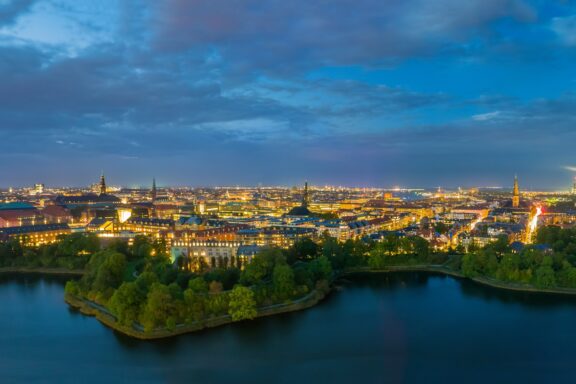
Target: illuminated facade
[(516, 194), (212, 254), (35, 235), (146, 226)]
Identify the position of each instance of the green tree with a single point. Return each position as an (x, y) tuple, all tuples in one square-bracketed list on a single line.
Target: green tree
[(545, 277), (126, 303), (110, 272), (469, 265), (159, 307), (215, 287), (283, 281), (198, 286), (303, 249), (242, 305), (261, 266), (321, 268), (334, 252)]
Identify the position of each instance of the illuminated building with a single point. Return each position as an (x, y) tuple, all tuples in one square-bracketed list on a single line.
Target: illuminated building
[(516, 194), (102, 184), (92, 200), (213, 254), (279, 236), (19, 214), (574, 187), (56, 214), (146, 225), (35, 235), (38, 189)]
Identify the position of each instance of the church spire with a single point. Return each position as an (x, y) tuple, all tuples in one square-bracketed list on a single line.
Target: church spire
[(102, 184), (153, 193), (516, 193), (305, 197)]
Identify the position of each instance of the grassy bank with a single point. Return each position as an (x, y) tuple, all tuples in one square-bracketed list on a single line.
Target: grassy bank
[(478, 279), (42, 271), (105, 317)]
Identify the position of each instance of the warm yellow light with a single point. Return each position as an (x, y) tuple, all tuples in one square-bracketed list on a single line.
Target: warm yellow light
[(534, 221), (124, 214)]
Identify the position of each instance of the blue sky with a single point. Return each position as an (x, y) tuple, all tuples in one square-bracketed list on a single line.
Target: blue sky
[(415, 93)]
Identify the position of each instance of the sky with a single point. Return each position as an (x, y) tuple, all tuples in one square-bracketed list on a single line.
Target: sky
[(383, 93)]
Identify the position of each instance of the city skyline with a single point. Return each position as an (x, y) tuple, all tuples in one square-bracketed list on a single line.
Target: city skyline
[(416, 93), (153, 184)]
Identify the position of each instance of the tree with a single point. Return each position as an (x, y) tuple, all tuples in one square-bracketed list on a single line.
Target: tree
[(545, 277), (110, 272), (469, 265), (242, 305), (198, 286), (215, 287), (334, 252), (126, 303), (303, 249), (283, 281), (262, 265), (159, 307), (441, 228), (322, 268)]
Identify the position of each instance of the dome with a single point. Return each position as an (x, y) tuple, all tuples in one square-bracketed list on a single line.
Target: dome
[(299, 211)]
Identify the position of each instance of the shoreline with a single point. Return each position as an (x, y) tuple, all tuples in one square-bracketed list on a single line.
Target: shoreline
[(42, 271), (105, 317), (478, 279)]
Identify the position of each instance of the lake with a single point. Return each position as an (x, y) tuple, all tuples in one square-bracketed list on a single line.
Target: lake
[(387, 328)]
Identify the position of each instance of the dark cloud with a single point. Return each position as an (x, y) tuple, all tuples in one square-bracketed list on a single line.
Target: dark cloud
[(10, 10), (277, 35)]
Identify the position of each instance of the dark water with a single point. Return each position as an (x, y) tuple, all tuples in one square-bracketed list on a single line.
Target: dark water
[(407, 327)]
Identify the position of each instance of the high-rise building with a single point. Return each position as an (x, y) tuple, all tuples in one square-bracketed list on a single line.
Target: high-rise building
[(574, 186), (516, 194)]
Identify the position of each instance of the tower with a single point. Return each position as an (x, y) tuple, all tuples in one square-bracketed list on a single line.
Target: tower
[(153, 193), (574, 186), (305, 197), (516, 194), (102, 184)]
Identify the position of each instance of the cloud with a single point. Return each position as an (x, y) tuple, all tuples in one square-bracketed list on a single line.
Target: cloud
[(486, 116), (10, 10), (565, 28), (279, 36), (570, 168), (236, 84)]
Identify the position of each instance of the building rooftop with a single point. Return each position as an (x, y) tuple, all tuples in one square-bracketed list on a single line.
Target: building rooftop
[(33, 228), (16, 206)]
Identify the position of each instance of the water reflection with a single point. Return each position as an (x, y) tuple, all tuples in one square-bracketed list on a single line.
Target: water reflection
[(395, 327), (526, 299)]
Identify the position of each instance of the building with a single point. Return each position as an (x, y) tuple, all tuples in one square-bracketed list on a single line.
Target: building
[(516, 194), (302, 209), (56, 214), (153, 192), (212, 254), (35, 235), (146, 226), (102, 199), (18, 214)]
